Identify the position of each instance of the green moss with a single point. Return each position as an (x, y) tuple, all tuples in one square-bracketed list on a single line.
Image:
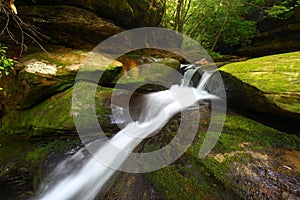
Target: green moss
[(55, 114), (239, 136), (275, 74), (177, 182), (34, 158), (193, 178), (188, 177)]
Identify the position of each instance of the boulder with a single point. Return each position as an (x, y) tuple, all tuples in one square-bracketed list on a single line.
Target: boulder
[(266, 85), (126, 13), (56, 114), (41, 75), (148, 73), (68, 25)]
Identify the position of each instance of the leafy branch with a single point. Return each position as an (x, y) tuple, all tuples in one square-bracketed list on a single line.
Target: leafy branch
[(6, 64)]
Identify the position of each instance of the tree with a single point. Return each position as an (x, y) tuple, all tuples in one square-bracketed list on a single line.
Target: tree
[(232, 22)]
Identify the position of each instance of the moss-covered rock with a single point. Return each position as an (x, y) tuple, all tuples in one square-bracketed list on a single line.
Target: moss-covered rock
[(247, 162), (42, 75), (22, 158), (249, 159), (56, 113), (268, 84)]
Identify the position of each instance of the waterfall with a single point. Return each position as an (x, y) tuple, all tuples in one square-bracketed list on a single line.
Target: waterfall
[(90, 175)]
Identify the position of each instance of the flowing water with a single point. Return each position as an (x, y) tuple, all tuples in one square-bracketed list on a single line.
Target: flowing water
[(82, 176)]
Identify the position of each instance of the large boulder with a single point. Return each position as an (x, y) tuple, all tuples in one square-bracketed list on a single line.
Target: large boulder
[(56, 114), (41, 75), (267, 85), (68, 25), (126, 13)]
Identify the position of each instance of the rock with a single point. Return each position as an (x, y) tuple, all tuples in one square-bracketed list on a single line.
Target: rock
[(126, 13), (277, 40), (267, 85), (246, 163), (67, 25), (56, 115), (149, 74), (248, 158), (42, 75), (22, 169), (273, 36)]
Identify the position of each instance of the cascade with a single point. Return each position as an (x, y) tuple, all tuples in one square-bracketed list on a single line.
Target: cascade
[(83, 176)]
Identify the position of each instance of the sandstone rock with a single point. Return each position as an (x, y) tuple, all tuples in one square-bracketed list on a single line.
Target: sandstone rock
[(42, 75), (126, 13), (68, 25)]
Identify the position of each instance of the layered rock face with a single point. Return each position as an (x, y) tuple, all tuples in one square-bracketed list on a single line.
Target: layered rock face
[(84, 24), (125, 13), (275, 36)]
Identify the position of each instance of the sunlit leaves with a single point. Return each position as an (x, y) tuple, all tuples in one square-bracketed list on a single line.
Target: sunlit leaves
[(6, 64), (230, 22)]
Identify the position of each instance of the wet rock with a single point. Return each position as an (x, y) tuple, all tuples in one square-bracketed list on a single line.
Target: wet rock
[(20, 162), (248, 159), (246, 163), (149, 74)]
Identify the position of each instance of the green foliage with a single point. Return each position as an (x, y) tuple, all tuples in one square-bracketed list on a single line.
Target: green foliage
[(231, 22), (6, 64), (282, 9)]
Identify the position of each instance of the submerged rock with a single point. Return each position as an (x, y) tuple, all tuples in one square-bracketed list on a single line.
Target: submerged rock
[(268, 84)]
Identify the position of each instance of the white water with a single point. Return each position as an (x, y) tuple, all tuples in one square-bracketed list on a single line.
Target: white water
[(85, 182)]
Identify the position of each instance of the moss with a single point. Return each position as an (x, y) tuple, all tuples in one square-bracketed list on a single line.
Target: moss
[(239, 136), (188, 177), (275, 74), (174, 183), (193, 178), (55, 114), (38, 155)]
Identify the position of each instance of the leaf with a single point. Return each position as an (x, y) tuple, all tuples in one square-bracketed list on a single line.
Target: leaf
[(13, 7)]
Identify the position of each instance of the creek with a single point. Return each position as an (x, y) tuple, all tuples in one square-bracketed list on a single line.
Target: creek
[(83, 177)]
